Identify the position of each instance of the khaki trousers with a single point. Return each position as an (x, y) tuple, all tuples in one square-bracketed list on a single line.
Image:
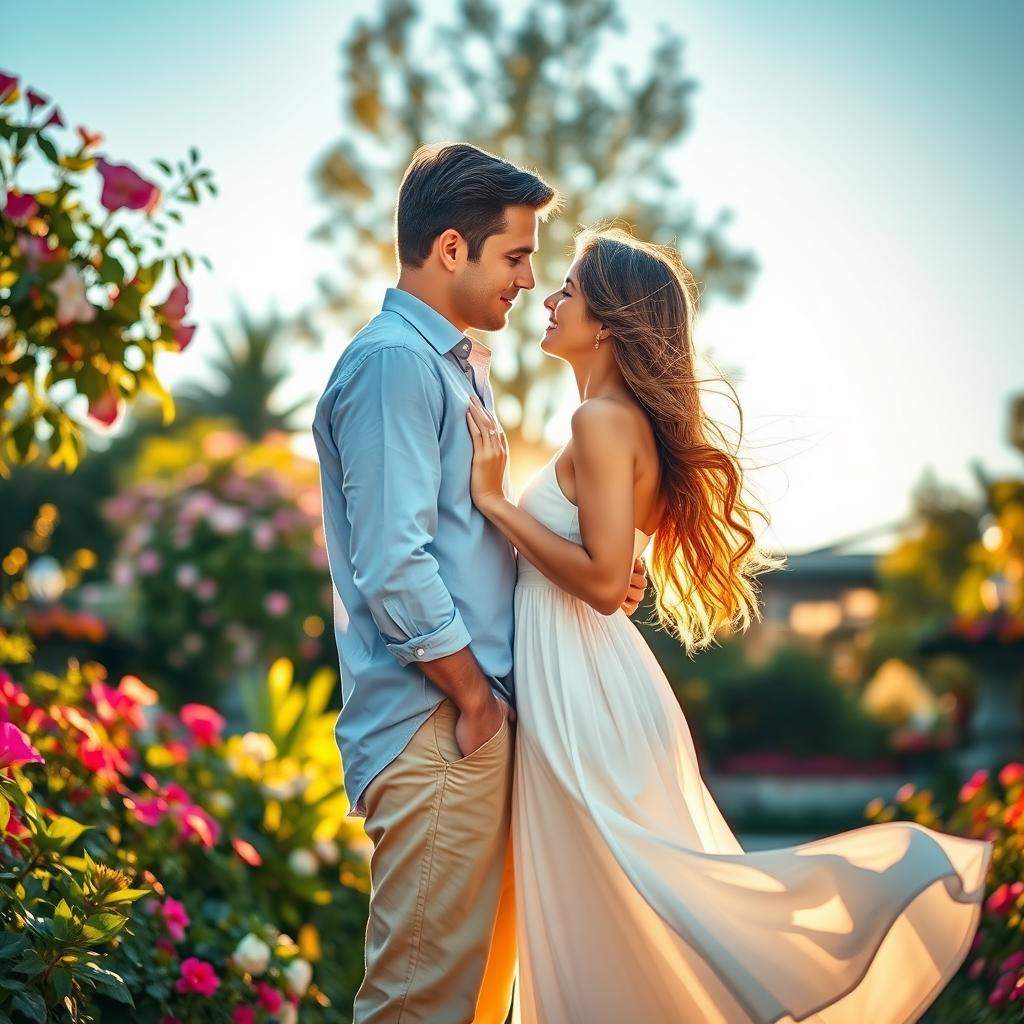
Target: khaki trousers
[(440, 940)]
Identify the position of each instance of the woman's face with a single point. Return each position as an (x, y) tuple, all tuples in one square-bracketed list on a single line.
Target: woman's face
[(571, 331)]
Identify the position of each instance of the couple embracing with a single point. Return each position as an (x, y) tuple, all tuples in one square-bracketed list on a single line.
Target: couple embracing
[(543, 842)]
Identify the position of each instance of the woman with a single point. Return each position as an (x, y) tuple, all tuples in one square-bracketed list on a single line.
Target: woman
[(635, 901)]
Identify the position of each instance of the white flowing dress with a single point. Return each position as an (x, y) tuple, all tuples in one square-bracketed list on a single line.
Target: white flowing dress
[(635, 902)]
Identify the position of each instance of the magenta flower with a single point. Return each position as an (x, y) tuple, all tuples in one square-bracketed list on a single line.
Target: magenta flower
[(15, 747), (972, 785), (7, 83), (197, 976), (197, 822), (1002, 900), (243, 1015), (175, 306), (125, 188), (36, 99), (19, 208), (183, 335), (105, 408), (176, 918), (55, 118), (149, 812), (270, 998), (205, 724)]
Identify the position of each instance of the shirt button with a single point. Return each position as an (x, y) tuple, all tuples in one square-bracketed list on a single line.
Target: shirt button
[(420, 652)]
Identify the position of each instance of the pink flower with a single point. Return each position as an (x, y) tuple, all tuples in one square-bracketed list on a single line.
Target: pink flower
[(55, 118), (36, 99), (277, 603), (972, 785), (124, 188), (19, 208), (247, 852), (196, 822), (105, 409), (35, 250), (183, 335), (270, 998), (149, 812), (150, 561), (7, 83), (203, 722), (197, 976), (1012, 773), (15, 747), (1002, 900), (976, 969), (1014, 962), (175, 305), (176, 918), (243, 1015)]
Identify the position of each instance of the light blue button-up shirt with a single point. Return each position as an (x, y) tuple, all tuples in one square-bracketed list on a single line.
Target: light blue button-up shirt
[(418, 572)]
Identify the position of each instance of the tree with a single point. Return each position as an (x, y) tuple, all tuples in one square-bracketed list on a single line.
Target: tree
[(537, 93), (251, 371)]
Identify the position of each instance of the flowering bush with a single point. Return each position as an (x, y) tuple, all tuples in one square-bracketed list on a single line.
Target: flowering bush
[(990, 987), (221, 558), (147, 859), (76, 315)]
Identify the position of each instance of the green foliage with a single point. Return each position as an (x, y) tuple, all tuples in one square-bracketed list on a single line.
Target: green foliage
[(221, 561), (76, 287), (154, 862)]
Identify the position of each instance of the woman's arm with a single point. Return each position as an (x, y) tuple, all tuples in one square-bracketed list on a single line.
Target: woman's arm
[(597, 571)]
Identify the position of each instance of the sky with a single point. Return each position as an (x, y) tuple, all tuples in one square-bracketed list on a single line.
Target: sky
[(870, 155)]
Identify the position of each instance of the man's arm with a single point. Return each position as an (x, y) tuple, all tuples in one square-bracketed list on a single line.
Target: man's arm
[(386, 421)]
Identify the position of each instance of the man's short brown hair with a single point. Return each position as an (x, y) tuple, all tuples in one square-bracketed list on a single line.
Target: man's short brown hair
[(459, 186)]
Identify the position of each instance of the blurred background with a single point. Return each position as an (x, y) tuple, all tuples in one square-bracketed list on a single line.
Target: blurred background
[(844, 182)]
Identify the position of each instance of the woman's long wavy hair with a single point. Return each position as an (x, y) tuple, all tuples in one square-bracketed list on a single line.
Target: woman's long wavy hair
[(706, 558)]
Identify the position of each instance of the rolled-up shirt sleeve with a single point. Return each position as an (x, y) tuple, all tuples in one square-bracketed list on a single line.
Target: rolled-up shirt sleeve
[(386, 422)]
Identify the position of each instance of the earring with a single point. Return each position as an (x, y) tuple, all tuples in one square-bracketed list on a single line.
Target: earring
[(597, 341)]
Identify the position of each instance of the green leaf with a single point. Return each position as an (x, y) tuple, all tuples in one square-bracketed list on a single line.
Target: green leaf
[(102, 927), (12, 944), (164, 166), (47, 148), (111, 271), (60, 982), (64, 831), (126, 896), (193, 155), (31, 1004), (62, 910), (109, 982)]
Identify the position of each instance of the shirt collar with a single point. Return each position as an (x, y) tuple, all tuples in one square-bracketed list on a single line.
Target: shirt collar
[(442, 334)]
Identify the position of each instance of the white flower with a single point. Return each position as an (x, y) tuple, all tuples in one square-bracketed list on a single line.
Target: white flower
[(297, 976), (259, 746), (288, 1014), (186, 575), (226, 519), (303, 862), (326, 850), (6, 326), (252, 954), (72, 305), (222, 801)]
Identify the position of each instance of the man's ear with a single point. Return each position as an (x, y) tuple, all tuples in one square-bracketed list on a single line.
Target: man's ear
[(450, 247)]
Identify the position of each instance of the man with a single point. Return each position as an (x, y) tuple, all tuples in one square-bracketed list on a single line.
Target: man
[(424, 595)]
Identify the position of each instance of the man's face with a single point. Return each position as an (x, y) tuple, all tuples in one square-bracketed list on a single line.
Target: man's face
[(485, 290)]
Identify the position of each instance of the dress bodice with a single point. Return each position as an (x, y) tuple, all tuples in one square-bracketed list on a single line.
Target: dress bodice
[(545, 500)]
